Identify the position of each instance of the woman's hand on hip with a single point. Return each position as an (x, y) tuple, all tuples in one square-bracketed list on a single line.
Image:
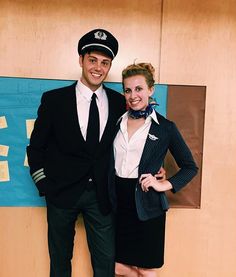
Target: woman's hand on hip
[(147, 181)]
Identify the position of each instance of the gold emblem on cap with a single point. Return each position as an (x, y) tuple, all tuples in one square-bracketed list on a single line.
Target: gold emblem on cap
[(100, 35)]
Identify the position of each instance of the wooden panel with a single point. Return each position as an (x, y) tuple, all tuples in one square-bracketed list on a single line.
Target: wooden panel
[(39, 38), (198, 48), (23, 236)]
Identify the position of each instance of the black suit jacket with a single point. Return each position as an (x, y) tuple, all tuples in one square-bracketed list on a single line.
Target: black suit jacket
[(161, 138), (58, 149)]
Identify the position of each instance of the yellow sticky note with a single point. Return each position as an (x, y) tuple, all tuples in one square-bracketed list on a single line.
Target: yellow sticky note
[(4, 150), (3, 122), (29, 127), (4, 171), (26, 160)]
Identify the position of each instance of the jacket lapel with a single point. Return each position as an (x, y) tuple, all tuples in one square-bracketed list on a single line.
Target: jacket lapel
[(72, 113), (110, 120), (150, 147)]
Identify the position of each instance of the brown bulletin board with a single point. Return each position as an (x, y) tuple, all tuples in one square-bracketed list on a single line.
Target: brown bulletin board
[(186, 107)]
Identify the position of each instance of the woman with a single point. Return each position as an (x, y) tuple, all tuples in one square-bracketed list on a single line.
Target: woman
[(137, 196)]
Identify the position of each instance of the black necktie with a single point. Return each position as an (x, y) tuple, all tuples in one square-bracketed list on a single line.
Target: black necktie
[(92, 138)]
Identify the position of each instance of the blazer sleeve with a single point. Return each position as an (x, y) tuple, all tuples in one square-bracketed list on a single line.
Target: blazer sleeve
[(184, 159), (38, 145)]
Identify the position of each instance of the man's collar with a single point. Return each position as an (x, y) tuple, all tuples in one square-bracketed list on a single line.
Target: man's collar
[(87, 92)]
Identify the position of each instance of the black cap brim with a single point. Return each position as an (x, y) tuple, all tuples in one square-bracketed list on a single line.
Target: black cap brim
[(97, 48)]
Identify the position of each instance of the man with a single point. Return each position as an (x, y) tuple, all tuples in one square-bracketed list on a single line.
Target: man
[(69, 154)]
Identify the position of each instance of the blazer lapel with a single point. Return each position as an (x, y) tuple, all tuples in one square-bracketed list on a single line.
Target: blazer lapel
[(110, 120), (150, 147), (73, 114)]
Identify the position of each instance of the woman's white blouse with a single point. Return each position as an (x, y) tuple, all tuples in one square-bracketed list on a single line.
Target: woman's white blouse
[(127, 153)]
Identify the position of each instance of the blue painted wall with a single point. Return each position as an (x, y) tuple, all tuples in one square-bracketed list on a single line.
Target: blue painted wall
[(19, 101)]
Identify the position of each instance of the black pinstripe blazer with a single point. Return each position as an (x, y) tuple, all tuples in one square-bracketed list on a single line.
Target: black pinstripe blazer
[(59, 160), (161, 138)]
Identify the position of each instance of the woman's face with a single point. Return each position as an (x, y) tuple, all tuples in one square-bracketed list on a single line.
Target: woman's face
[(137, 92)]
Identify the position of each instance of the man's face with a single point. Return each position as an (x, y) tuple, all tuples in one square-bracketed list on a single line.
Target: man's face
[(95, 67)]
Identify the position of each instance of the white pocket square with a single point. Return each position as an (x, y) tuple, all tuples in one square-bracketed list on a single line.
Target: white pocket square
[(152, 137)]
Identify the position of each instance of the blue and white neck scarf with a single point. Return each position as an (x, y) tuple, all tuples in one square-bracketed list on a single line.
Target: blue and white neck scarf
[(140, 114)]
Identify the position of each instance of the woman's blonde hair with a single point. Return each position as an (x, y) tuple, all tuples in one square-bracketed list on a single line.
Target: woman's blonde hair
[(144, 69)]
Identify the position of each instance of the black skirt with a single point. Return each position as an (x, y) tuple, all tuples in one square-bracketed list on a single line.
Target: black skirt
[(138, 243)]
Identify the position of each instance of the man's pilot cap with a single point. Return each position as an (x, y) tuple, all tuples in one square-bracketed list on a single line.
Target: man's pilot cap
[(98, 40)]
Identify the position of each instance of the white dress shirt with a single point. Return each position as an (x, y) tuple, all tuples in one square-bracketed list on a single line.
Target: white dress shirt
[(128, 152), (83, 100)]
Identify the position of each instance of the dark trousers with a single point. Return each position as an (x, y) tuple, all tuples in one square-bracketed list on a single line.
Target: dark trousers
[(99, 231)]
